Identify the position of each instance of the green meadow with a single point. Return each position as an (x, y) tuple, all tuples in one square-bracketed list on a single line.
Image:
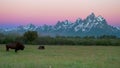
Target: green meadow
[(61, 57)]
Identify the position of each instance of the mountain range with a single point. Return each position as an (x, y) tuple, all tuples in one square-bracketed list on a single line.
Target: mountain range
[(90, 26)]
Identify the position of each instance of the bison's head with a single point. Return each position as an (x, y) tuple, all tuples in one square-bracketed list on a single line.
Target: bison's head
[(22, 48)]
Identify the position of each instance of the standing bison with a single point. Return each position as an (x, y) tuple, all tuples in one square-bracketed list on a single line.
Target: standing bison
[(16, 45), (41, 47)]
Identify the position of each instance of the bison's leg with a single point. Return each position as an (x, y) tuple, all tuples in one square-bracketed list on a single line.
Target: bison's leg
[(7, 48), (15, 50)]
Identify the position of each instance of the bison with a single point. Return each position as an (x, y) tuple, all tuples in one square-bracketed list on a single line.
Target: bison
[(41, 47), (16, 45)]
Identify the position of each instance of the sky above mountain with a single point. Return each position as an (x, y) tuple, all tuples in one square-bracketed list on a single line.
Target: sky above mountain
[(39, 12)]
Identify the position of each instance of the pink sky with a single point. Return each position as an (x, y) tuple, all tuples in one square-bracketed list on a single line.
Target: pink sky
[(41, 12)]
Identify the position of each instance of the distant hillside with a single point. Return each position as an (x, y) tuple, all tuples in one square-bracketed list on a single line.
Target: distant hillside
[(91, 26)]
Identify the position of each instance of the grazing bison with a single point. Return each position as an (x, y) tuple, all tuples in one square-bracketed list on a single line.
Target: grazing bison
[(41, 47), (16, 45)]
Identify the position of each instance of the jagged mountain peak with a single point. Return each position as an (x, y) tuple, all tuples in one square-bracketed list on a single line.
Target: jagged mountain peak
[(91, 16), (63, 23), (67, 22), (30, 25), (27, 27), (78, 20)]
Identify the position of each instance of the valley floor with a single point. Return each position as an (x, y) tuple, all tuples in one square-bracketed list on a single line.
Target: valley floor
[(61, 57)]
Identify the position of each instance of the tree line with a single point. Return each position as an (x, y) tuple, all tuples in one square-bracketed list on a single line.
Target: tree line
[(31, 37)]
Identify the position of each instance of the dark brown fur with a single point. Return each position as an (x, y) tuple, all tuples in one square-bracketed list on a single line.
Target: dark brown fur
[(41, 47), (16, 45)]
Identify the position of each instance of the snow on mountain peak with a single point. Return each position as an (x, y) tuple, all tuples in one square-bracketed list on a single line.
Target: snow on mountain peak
[(88, 26), (90, 22), (66, 22), (118, 28), (30, 27), (79, 19), (100, 18)]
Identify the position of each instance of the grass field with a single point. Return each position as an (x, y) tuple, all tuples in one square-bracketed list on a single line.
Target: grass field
[(61, 57)]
